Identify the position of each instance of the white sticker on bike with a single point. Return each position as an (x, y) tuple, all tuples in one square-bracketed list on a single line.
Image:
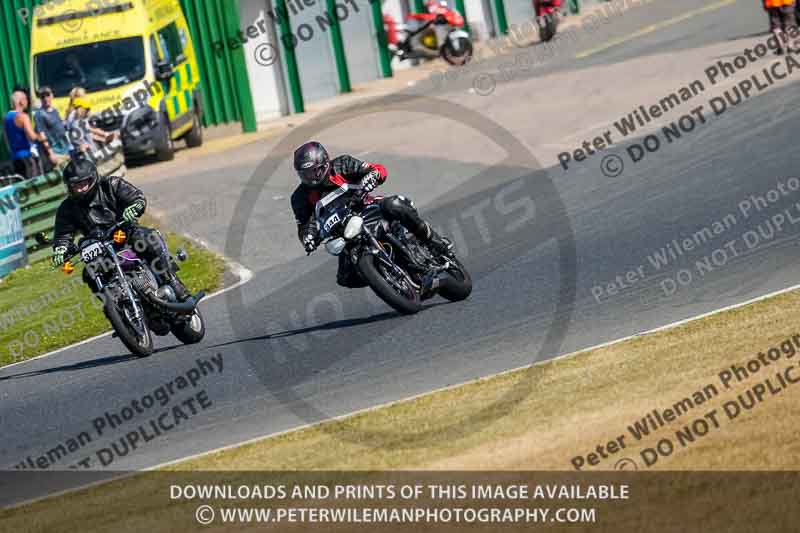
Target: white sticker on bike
[(331, 222), (91, 252)]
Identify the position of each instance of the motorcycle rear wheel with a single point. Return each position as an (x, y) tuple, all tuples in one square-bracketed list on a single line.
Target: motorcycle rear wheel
[(191, 331), (407, 304), (139, 344)]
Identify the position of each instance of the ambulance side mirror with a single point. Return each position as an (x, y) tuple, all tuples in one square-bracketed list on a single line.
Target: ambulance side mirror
[(164, 71)]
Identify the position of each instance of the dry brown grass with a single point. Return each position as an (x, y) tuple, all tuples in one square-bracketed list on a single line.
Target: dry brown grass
[(570, 406)]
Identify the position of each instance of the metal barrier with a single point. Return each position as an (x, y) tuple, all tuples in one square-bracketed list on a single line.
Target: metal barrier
[(39, 198), (12, 240)]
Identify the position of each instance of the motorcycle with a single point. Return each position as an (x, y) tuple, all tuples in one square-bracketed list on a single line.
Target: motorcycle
[(135, 300), (547, 18), (436, 34), (400, 269)]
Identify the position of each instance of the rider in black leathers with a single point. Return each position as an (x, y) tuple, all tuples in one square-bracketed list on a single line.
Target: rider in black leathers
[(97, 203), (320, 175)]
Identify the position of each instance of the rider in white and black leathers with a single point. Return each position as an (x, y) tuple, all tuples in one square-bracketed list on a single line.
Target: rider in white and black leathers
[(320, 175)]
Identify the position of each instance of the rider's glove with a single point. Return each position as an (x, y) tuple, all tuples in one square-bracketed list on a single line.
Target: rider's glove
[(133, 212), (309, 242), (59, 255), (370, 181)]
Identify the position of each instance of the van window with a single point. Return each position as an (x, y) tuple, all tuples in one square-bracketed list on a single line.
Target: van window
[(171, 44), (94, 66)]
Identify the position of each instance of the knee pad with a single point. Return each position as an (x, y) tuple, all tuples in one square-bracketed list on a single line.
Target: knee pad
[(398, 206)]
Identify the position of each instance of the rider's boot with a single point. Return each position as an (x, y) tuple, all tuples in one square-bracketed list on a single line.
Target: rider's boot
[(438, 244), (181, 293)]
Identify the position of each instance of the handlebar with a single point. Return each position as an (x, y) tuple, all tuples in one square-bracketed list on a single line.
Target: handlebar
[(107, 235)]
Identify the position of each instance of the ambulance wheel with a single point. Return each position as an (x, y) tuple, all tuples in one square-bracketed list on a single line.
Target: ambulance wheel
[(195, 136), (165, 146)]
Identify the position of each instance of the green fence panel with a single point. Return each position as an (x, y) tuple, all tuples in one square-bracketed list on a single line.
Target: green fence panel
[(15, 38), (39, 199), (214, 25)]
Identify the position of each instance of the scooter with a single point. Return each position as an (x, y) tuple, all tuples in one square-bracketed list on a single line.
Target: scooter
[(432, 34), (547, 18)]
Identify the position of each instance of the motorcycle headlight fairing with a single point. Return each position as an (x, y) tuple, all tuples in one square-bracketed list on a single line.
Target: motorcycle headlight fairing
[(353, 228)]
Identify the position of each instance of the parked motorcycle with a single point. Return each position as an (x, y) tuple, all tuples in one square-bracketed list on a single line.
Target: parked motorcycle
[(400, 269), (433, 34), (136, 301), (547, 17)]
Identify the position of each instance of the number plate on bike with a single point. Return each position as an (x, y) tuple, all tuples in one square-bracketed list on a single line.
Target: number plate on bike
[(331, 222), (92, 252)]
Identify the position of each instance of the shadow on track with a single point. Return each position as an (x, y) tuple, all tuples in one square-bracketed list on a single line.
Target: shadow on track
[(84, 365), (327, 326)]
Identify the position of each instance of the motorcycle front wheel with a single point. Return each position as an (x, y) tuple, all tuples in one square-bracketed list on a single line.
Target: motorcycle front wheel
[(457, 285), (459, 55), (397, 291), (137, 339)]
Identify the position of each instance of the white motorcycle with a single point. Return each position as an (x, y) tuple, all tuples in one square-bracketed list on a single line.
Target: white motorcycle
[(436, 33)]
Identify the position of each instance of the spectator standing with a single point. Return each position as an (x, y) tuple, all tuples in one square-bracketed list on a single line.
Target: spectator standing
[(20, 136), (48, 121)]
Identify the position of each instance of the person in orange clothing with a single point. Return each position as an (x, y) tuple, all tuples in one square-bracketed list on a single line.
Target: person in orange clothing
[(781, 21)]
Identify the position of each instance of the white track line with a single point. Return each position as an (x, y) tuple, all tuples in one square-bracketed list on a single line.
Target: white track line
[(476, 380), (394, 402)]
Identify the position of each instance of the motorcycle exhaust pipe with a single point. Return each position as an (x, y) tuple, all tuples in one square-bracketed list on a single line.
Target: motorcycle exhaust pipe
[(185, 308)]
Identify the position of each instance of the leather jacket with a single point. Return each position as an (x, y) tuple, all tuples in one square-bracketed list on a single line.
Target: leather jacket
[(344, 169), (112, 195)]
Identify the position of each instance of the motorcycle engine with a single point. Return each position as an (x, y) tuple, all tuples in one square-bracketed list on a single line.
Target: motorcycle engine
[(144, 281), (166, 293), (428, 40)]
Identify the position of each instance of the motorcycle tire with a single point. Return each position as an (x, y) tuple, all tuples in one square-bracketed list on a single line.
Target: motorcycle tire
[(453, 58), (191, 331), (457, 285), (547, 30), (139, 347), (385, 290)]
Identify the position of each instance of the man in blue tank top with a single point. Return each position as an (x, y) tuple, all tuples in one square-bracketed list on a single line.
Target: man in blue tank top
[(20, 134)]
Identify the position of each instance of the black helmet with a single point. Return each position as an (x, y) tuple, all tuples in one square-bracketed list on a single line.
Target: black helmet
[(312, 163), (80, 176)]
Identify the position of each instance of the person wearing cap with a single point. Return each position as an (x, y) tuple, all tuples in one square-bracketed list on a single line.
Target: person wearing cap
[(48, 122), (81, 132)]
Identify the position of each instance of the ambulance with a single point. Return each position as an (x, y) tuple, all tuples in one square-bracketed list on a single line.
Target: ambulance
[(136, 61)]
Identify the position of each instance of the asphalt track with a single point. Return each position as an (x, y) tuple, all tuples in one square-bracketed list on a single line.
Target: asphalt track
[(296, 349)]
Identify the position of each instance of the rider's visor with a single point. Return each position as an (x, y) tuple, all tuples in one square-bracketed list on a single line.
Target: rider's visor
[(314, 175), (81, 186)]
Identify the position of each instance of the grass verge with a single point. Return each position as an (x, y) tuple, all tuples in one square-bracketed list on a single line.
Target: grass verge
[(575, 404), (42, 309)]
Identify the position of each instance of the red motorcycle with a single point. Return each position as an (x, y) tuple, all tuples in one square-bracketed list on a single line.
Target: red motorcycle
[(430, 35), (547, 17)]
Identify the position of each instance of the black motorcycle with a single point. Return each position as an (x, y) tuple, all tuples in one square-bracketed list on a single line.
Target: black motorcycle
[(136, 300), (400, 269)]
